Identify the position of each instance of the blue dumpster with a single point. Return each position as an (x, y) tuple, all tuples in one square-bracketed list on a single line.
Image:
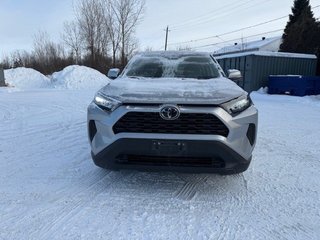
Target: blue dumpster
[(294, 85)]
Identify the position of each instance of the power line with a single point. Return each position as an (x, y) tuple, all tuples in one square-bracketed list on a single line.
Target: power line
[(227, 33), (209, 14), (232, 40), (224, 14), (235, 31)]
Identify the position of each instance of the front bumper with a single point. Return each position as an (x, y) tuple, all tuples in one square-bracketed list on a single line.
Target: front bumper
[(174, 152), (173, 155)]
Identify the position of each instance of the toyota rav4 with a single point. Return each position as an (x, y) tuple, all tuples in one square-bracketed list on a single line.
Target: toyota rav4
[(173, 111)]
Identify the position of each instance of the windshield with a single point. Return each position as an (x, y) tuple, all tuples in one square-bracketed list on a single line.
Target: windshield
[(193, 66)]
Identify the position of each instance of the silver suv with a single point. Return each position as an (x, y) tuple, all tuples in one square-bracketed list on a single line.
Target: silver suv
[(173, 111)]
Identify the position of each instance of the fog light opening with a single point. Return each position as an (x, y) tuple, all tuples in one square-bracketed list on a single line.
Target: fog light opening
[(251, 133)]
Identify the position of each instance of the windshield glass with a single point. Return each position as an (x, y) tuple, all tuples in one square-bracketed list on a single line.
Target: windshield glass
[(193, 66)]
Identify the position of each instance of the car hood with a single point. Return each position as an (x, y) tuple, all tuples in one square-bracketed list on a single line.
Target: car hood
[(172, 90)]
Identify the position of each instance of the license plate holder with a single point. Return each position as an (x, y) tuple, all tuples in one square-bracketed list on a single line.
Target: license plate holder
[(168, 147)]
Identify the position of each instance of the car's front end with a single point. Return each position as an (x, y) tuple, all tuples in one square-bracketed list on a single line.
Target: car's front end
[(172, 125)]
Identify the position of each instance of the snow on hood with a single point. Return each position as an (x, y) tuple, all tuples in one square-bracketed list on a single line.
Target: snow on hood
[(26, 78), (79, 77), (172, 90)]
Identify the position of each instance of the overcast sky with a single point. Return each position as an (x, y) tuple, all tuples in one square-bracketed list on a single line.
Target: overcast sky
[(187, 19)]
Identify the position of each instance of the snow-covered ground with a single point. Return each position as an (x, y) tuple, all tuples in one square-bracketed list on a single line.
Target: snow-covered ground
[(50, 189)]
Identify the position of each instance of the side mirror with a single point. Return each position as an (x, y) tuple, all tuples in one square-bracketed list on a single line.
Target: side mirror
[(234, 74), (113, 73)]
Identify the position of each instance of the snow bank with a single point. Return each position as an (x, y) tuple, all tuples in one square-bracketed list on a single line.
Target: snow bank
[(78, 77), (26, 78), (72, 77), (263, 90)]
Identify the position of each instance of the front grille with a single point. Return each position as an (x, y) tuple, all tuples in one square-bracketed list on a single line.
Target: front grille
[(170, 161), (187, 123)]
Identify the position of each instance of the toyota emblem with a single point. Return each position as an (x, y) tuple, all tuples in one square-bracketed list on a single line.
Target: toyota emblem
[(169, 112)]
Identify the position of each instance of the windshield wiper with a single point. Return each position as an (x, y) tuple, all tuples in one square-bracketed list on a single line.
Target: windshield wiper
[(135, 77), (205, 77)]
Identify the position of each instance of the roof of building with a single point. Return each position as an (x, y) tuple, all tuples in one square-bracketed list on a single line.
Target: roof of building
[(269, 54), (248, 46)]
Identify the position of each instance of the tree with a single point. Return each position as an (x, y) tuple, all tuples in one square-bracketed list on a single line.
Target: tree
[(6, 62), (302, 33), (100, 28), (47, 55), (72, 38), (90, 17), (127, 13), (113, 30)]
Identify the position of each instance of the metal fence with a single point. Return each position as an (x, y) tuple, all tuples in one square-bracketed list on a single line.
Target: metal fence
[(257, 68)]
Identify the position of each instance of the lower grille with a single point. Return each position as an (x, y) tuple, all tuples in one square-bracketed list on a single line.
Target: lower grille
[(171, 161), (187, 123)]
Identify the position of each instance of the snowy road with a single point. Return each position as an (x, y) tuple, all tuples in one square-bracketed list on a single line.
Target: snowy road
[(50, 189)]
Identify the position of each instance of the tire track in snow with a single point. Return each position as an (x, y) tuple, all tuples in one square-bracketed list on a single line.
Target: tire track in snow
[(88, 181), (190, 188), (40, 129), (70, 137), (77, 204)]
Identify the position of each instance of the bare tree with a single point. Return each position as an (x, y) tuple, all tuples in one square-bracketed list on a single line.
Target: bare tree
[(100, 26), (40, 42), (48, 56), (6, 62), (72, 38), (128, 13), (148, 49), (20, 58), (90, 16), (112, 29), (131, 47)]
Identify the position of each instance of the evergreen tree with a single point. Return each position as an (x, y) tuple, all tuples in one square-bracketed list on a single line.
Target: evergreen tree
[(302, 33)]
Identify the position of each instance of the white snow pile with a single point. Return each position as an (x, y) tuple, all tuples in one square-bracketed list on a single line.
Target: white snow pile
[(263, 90), (78, 77), (72, 77), (26, 78)]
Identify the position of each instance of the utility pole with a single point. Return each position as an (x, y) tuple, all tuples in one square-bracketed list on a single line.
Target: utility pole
[(166, 43)]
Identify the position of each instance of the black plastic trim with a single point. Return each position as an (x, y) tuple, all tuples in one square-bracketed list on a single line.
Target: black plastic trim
[(251, 133), (92, 129), (187, 123), (114, 156)]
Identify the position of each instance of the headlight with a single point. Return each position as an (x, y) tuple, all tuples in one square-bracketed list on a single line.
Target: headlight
[(106, 103), (238, 105)]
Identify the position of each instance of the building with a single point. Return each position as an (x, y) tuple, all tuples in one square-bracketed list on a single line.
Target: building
[(257, 66), (265, 44)]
